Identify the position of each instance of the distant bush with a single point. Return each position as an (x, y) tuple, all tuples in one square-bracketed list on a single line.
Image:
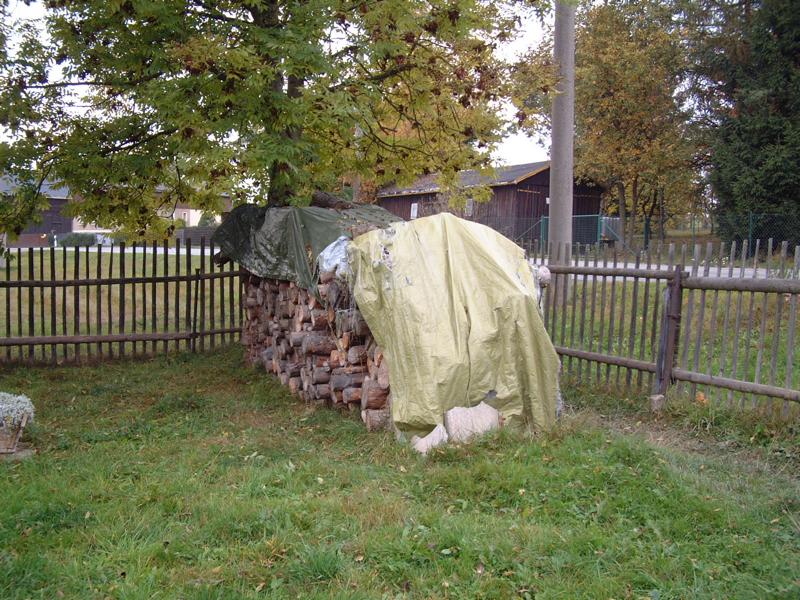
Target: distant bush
[(77, 239), (207, 219)]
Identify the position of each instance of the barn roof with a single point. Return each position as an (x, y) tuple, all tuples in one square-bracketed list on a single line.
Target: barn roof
[(502, 176)]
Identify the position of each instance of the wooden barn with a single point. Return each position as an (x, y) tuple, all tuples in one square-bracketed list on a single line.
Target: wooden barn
[(53, 221), (519, 207)]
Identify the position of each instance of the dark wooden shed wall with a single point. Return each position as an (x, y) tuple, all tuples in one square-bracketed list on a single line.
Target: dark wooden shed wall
[(515, 210), (52, 219)]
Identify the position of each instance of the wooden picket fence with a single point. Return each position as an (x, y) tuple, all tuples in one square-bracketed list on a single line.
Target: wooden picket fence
[(717, 322), (88, 303)]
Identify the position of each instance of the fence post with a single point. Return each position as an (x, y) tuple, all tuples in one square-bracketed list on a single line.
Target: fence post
[(670, 332), (599, 227), (196, 281), (750, 229)]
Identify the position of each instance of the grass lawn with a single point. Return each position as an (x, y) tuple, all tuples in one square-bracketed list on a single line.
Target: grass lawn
[(195, 477)]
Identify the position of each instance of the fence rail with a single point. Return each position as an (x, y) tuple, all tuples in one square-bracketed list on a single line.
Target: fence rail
[(718, 323), (79, 303), (703, 320)]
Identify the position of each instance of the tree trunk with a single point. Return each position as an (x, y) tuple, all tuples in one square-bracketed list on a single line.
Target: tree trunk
[(563, 118), (623, 217), (634, 210)]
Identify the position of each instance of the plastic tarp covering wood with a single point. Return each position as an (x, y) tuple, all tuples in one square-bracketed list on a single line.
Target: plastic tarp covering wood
[(454, 304), (283, 243)]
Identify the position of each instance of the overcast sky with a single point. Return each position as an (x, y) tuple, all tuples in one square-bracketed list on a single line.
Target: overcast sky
[(520, 148), (512, 150)]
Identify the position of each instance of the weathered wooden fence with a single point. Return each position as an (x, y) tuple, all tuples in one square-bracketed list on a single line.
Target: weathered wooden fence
[(716, 322), (88, 303)]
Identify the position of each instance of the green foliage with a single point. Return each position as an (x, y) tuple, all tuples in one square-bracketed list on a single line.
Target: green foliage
[(71, 240), (632, 133), (755, 137), (206, 220), (185, 100), (197, 477)]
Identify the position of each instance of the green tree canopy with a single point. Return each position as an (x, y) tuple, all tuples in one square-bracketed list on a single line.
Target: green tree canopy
[(138, 104), (632, 132), (747, 84)]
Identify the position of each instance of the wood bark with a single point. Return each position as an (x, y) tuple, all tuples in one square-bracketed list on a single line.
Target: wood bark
[(322, 355)]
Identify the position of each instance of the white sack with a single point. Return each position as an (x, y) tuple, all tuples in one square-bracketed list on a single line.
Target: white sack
[(464, 423), (437, 437), (334, 258)]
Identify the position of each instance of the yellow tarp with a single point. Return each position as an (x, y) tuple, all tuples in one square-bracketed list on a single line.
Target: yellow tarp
[(454, 304)]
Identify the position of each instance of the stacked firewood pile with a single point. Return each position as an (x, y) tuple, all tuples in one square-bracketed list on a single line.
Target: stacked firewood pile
[(317, 345)]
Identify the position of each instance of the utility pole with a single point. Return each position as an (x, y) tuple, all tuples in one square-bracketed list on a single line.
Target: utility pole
[(563, 120)]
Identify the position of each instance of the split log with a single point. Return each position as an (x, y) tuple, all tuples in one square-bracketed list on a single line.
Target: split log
[(357, 354), (320, 375), (376, 420), (302, 314), (319, 319), (293, 368), (383, 375), (318, 344), (352, 394), (296, 338), (339, 381), (266, 357), (372, 396), (344, 341)]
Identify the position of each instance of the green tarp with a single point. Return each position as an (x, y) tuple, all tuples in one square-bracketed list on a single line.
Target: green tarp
[(283, 243), (455, 306)]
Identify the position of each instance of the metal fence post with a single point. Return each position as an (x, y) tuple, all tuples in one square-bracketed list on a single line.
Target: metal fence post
[(599, 228), (670, 333)]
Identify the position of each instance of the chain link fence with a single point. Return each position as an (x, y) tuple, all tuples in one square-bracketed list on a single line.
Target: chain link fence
[(758, 226), (586, 229)]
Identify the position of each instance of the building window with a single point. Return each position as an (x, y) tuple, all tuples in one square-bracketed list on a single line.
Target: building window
[(414, 210)]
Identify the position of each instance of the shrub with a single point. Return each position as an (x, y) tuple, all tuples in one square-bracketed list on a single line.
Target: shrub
[(77, 239)]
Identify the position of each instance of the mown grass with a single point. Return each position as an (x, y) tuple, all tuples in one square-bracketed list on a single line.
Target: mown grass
[(195, 477)]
